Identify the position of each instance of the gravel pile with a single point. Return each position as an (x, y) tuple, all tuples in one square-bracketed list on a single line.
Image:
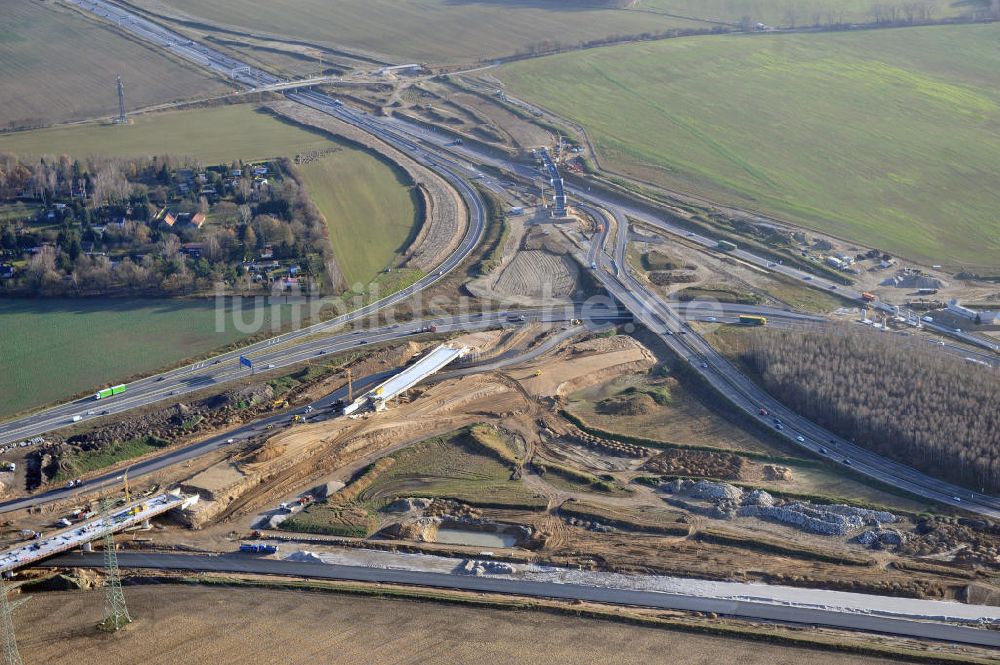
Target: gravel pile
[(826, 519), (880, 537)]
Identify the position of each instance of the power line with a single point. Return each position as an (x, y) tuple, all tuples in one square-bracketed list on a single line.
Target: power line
[(117, 616), (122, 119), (11, 655)]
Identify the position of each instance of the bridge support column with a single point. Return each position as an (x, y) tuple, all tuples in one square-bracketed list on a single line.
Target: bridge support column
[(88, 546)]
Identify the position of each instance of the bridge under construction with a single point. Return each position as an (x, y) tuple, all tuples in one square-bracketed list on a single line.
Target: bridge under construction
[(379, 397)]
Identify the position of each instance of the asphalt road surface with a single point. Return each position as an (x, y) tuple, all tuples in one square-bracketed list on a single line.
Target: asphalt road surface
[(440, 153), (323, 408), (747, 609), (744, 394)]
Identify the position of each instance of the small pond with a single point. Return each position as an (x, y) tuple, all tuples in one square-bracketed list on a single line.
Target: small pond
[(454, 536)]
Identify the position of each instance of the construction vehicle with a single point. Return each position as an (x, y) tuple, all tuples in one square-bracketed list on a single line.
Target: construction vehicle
[(869, 297), (279, 404), (298, 419), (538, 372)]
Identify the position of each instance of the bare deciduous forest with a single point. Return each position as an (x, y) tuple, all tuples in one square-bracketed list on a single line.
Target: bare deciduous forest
[(916, 405)]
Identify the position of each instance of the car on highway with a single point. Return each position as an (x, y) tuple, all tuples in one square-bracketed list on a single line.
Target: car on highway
[(105, 412), (704, 365), (808, 278), (230, 440), (823, 451), (270, 366), (217, 362), (832, 287), (956, 498), (710, 319), (159, 378), (847, 462), (800, 438), (779, 427), (321, 352)]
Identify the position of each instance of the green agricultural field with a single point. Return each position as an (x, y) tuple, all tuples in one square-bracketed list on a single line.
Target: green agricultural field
[(792, 13), (369, 207), (52, 349), (431, 31), (57, 65), (214, 135), (889, 137)]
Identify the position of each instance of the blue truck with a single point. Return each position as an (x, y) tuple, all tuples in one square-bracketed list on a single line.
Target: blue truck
[(258, 548)]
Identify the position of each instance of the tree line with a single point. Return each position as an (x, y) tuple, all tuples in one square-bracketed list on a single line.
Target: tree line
[(919, 406)]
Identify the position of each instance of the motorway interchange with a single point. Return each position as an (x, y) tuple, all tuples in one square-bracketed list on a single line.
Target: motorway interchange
[(459, 164)]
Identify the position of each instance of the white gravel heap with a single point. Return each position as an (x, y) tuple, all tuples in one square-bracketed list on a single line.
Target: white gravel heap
[(826, 519), (831, 520), (881, 536), (705, 489)]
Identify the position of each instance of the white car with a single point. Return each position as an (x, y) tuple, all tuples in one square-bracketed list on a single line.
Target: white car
[(230, 440), (800, 439)]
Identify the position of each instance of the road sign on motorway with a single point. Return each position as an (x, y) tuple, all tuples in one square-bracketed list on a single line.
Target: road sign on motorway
[(246, 362)]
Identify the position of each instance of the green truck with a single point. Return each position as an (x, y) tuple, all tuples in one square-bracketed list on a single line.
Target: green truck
[(726, 246), (108, 392)]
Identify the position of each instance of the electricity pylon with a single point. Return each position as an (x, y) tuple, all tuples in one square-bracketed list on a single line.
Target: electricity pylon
[(117, 616), (11, 655)]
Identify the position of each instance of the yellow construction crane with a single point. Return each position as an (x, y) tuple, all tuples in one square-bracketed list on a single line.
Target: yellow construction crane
[(350, 386), (128, 490)]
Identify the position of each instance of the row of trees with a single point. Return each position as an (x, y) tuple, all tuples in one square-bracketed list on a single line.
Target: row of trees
[(913, 404)]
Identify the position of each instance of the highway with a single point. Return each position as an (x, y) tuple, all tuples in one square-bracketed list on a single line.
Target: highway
[(214, 370), (745, 609), (659, 317), (312, 351), (429, 148)]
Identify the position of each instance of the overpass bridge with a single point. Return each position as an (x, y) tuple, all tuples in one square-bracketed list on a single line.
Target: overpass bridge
[(128, 516)]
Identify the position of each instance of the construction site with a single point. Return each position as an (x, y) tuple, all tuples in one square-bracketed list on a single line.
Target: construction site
[(550, 445)]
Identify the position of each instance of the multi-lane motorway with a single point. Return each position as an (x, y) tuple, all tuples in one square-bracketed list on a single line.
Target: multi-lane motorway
[(321, 409), (745, 395), (452, 162)]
